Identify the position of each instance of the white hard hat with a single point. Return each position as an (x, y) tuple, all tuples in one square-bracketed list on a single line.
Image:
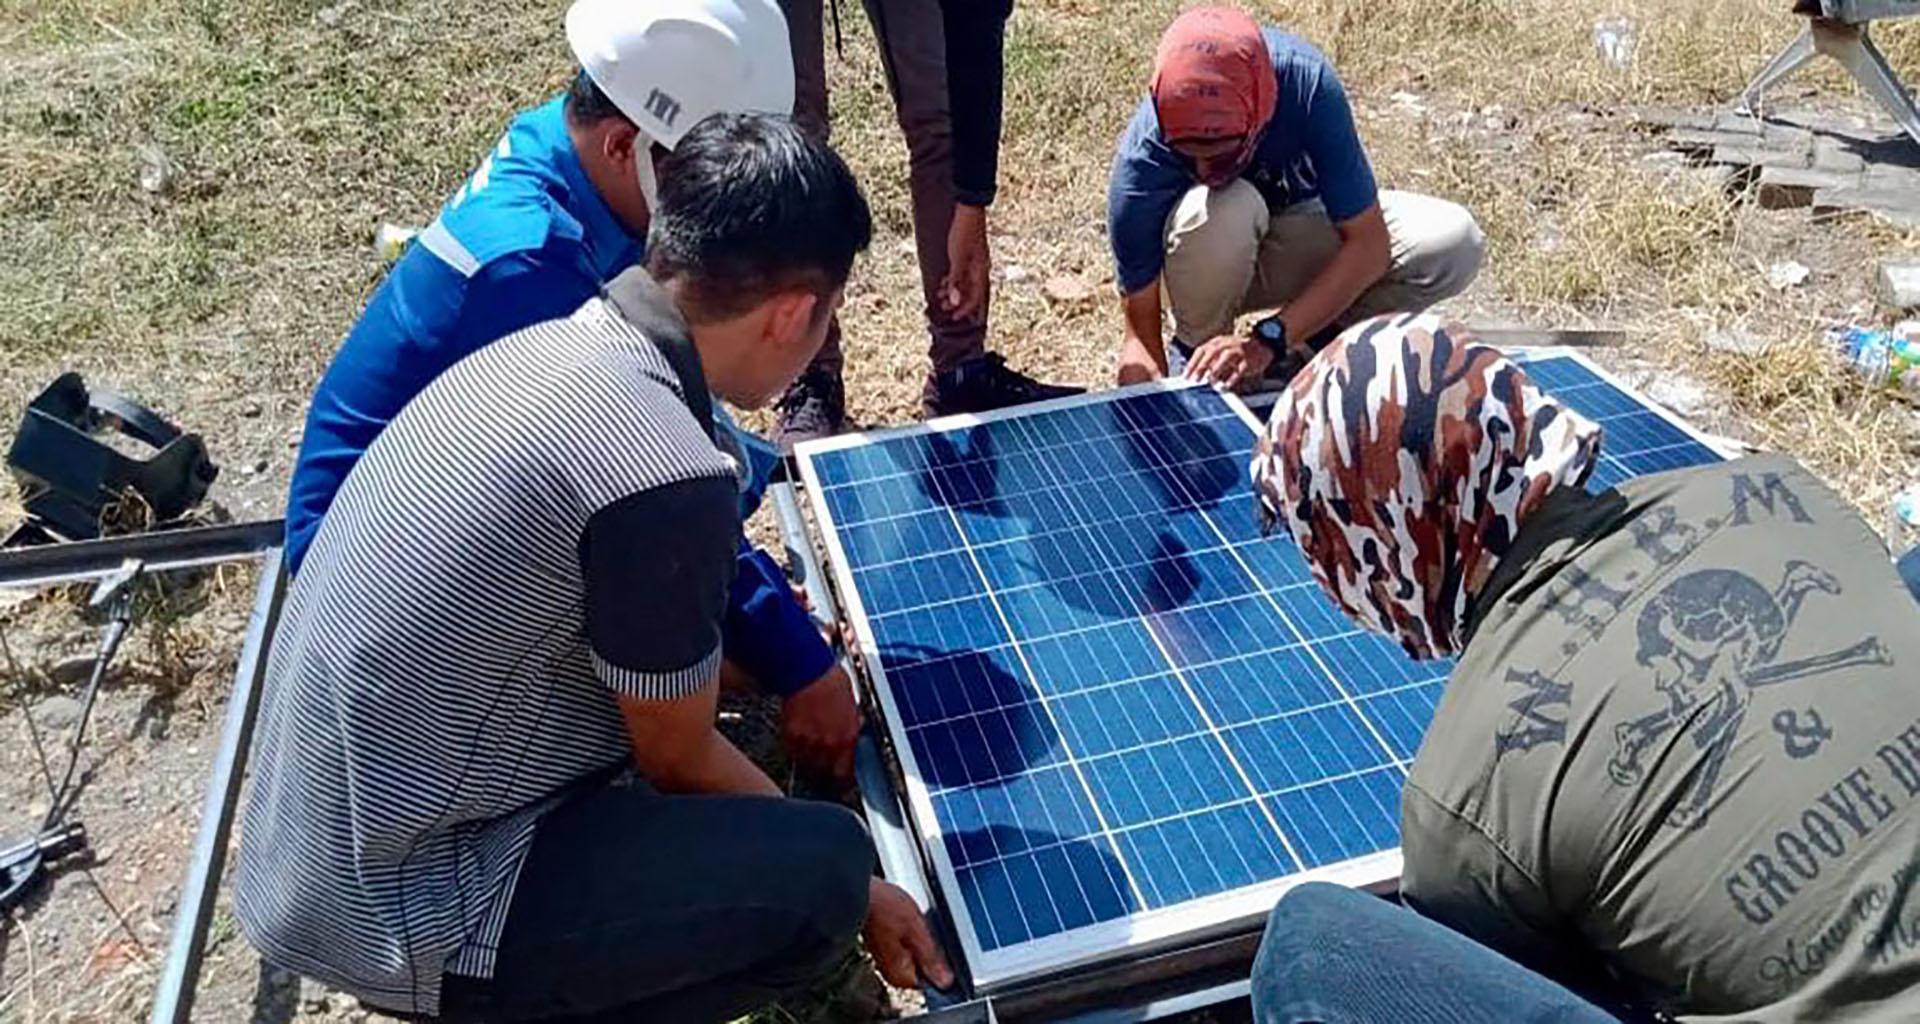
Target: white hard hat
[(669, 63)]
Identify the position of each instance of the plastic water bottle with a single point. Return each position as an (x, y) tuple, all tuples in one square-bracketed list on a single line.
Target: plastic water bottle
[(1614, 38), (1888, 358), (1906, 525), (391, 241)]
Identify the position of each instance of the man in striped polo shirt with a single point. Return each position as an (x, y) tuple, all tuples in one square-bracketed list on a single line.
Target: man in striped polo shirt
[(489, 786)]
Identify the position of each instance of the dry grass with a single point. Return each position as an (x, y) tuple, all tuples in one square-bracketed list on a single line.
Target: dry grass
[(294, 138)]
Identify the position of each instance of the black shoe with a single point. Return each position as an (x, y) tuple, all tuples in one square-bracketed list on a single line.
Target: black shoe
[(814, 406), (985, 383)]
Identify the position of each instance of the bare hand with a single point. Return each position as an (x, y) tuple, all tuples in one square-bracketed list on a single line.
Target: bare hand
[(898, 938), (1137, 365), (819, 725), (1229, 361), (963, 293)]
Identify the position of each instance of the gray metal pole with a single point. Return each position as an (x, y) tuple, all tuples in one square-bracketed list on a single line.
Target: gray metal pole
[(160, 551), (173, 1001)]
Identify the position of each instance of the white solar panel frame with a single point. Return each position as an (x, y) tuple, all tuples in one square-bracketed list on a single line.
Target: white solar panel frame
[(1221, 913)]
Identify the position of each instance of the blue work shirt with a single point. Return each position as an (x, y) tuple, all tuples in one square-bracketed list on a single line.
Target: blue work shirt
[(526, 239), (1310, 150)]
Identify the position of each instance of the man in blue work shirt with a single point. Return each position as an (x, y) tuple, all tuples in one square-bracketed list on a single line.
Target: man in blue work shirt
[(557, 208), (1241, 186)]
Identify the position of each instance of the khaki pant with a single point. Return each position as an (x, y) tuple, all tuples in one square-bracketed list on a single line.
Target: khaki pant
[(1227, 254)]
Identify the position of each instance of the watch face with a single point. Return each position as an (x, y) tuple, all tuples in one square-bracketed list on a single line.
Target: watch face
[(1268, 329)]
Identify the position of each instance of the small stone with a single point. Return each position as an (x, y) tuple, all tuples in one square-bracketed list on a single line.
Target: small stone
[(72, 670), (1736, 342), (158, 172), (58, 711), (905, 247), (252, 409), (1409, 102), (1067, 291), (1683, 396), (1900, 283), (1016, 274), (330, 16), (257, 467), (1790, 274)]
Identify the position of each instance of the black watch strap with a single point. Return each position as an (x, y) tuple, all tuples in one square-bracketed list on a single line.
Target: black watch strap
[(1271, 331)]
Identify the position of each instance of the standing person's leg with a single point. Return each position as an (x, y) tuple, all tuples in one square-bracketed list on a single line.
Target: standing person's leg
[(632, 905), (913, 49), (806, 31), (1214, 242), (962, 375), (1337, 954), (814, 405)]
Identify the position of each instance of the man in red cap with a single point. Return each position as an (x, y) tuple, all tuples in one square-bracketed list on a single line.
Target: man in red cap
[(1241, 186)]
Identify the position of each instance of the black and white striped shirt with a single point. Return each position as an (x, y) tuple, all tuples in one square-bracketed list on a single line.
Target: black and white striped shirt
[(544, 526)]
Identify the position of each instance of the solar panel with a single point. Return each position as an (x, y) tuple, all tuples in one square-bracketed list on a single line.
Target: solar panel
[(1121, 716)]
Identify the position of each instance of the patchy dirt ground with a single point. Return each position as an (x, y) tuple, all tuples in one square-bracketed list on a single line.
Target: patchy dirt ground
[(280, 134)]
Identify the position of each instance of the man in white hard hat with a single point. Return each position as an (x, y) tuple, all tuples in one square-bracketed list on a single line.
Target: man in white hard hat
[(557, 208)]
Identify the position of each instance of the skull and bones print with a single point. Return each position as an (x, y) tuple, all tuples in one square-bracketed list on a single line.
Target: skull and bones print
[(1710, 639)]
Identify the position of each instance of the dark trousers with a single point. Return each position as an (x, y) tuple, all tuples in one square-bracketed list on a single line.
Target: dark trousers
[(1333, 954), (913, 48), (633, 906)]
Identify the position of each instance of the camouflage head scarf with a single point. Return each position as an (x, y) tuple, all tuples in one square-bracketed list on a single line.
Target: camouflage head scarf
[(1404, 460)]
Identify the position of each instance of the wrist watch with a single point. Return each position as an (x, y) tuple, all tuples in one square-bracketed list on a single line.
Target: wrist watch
[(1272, 332)]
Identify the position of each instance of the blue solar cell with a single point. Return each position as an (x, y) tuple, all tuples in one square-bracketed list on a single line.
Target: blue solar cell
[(1117, 695), (1557, 374), (1402, 714), (1343, 818)]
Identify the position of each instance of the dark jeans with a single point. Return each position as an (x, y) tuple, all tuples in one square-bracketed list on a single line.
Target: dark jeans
[(1909, 567), (913, 47), (1338, 955), (633, 906)]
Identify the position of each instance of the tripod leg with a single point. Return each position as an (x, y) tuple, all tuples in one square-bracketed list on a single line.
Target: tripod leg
[(1789, 60), (1869, 67)]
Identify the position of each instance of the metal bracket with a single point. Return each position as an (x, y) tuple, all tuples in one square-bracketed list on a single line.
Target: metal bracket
[(68, 476)]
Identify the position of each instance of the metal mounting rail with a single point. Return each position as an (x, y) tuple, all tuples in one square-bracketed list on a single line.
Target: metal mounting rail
[(161, 550), (173, 1000)]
